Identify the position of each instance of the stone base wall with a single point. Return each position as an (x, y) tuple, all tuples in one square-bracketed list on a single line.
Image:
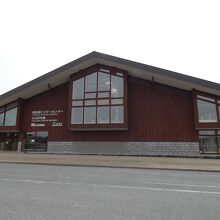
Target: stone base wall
[(126, 148)]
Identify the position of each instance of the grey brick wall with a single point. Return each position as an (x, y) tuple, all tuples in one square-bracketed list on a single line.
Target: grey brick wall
[(126, 148)]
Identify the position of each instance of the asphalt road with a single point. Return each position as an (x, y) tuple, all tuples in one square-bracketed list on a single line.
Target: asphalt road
[(65, 192)]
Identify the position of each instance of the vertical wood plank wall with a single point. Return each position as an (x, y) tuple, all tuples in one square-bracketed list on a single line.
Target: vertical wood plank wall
[(155, 113)]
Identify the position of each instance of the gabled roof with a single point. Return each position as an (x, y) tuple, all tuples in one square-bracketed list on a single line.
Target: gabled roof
[(61, 75)]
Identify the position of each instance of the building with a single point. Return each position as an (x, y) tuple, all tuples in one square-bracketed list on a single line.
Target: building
[(101, 104)]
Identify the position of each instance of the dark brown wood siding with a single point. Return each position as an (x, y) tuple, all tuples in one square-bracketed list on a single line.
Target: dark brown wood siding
[(155, 113), (160, 113)]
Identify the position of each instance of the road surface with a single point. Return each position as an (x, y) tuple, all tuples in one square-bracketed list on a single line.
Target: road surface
[(68, 192)]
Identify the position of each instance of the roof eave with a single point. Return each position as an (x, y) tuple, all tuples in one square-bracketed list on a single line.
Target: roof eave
[(136, 69)]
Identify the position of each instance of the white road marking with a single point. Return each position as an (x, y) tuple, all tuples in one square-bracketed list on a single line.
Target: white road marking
[(182, 184), (163, 189), (120, 186), (37, 181)]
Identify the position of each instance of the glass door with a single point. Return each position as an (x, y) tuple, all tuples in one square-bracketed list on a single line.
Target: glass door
[(209, 141), (10, 142), (36, 141), (208, 144)]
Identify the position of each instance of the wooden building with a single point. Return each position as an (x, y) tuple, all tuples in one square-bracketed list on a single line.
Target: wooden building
[(100, 104)]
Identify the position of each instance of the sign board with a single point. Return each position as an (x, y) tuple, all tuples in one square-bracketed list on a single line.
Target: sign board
[(41, 118)]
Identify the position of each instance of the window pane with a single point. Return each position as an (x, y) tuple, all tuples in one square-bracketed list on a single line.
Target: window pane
[(12, 105), (30, 137), (104, 70), (206, 111), (90, 102), (117, 101), (77, 116), (103, 82), (30, 134), (119, 74), (77, 103), (10, 117), (2, 119), (219, 110), (117, 114), (41, 137), (103, 115), (90, 95), (103, 94), (103, 102), (42, 134), (205, 98), (208, 144), (91, 81), (206, 132), (2, 110), (78, 89), (117, 86), (90, 115)]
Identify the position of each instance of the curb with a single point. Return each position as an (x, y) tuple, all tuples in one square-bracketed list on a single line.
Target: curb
[(109, 166), (206, 156)]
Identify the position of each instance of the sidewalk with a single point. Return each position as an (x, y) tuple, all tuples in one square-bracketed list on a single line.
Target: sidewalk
[(113, 161)]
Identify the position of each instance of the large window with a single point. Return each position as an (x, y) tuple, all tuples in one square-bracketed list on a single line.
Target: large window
[(207, 111), (8, 115), (98, 99)]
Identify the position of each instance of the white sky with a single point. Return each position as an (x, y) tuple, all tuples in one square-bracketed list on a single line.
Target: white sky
[(37, 36)]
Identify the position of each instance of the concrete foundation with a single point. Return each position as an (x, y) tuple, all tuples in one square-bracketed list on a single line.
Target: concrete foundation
[(126, 148)]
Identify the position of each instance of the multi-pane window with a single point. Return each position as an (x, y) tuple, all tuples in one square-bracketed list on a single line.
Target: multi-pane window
[(8, 115), (98, 98)]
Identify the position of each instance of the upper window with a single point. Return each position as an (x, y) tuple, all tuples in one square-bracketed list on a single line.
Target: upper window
[(207, 111), (8, 115), (98, 99)]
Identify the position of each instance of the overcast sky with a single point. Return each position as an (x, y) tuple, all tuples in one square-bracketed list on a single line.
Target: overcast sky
[(37, 36)]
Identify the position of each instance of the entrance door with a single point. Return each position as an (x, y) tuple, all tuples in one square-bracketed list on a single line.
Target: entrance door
[(208, 144), (11, 142), (36, 141)]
